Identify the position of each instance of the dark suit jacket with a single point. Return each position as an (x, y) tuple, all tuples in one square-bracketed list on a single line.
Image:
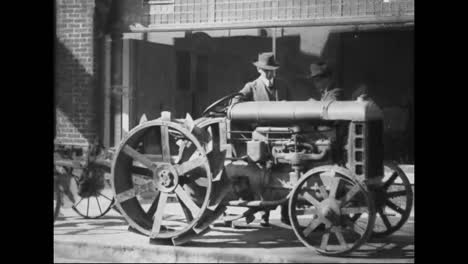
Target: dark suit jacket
[(258, 91), (335, 94)]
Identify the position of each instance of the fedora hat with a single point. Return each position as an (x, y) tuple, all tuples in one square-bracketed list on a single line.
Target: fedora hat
[(319, 69), (266, 61)]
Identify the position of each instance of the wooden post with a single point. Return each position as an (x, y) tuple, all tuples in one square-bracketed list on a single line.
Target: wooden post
[(273, 41), (193, 82), (107, 92), (125, 87), (116, 83), (134, 119)]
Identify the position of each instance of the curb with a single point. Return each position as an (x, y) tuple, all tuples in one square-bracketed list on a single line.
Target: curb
[(98, 252), (155, 254)]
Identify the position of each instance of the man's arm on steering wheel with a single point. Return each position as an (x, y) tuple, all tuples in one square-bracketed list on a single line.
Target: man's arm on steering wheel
[(247, 92), (219, 103), (237, 99)]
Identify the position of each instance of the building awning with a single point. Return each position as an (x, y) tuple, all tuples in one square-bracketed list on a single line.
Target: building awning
[(183, 15)]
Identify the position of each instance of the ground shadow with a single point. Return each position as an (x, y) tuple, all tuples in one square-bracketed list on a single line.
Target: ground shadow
[(392, 247), (396, 246), (73, 225), (103, 219), (248, 237)]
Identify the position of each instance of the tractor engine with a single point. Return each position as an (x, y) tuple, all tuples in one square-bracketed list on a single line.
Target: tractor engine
[(287, 145)]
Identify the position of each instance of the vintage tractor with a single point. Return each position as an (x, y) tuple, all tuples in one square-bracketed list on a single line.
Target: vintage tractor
[(172, 178)]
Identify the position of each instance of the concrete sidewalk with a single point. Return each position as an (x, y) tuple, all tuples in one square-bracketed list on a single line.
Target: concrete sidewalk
[(108, 240)]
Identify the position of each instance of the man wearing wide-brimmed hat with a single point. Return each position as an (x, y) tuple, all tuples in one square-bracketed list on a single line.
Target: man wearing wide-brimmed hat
[(321, 75), (266, 87)]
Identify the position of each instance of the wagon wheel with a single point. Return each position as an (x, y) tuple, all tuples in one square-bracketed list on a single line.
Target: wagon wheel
[(161, 179), (96, 204), (393, 200), (320, 210), (57, 198)]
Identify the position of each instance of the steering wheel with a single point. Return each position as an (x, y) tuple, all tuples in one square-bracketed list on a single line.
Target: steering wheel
[(219, 102)]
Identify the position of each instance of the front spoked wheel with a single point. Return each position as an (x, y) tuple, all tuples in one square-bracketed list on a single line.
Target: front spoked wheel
[(321, 209)]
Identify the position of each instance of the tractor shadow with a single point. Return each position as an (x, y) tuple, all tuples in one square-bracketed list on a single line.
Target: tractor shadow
[(396, 246), (393, 246), (245, 236), (76, 225)]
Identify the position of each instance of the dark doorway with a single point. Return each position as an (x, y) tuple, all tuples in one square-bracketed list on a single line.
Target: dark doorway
[(383, 60), (153, 79)]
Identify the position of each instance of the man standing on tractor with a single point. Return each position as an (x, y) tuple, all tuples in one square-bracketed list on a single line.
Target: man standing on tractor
[(267, 87)]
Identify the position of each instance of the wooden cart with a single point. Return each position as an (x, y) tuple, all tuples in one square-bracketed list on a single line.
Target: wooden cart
[(83, 179)]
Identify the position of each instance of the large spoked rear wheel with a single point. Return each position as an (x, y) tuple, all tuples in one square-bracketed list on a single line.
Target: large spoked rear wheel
[(393, 200), (321, 207), (161, 179)]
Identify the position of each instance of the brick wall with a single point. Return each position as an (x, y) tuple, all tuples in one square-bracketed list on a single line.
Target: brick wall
[(75, 83)]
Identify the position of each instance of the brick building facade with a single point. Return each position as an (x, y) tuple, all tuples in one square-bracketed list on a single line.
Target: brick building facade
[(75, 71)]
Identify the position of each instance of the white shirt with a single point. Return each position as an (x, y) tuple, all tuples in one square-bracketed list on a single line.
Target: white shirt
[(267, 82)]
